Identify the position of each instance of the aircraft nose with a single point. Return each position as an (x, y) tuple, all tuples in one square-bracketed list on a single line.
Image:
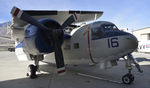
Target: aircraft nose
[(132, 42)]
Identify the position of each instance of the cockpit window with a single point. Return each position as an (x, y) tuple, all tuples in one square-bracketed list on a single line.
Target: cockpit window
[(109, 27), (96, 32)]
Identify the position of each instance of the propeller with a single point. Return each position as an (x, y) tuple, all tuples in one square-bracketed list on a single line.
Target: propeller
[(56, 34)]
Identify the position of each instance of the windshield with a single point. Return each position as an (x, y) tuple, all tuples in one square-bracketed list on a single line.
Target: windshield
[(96, 32), (109, 27)]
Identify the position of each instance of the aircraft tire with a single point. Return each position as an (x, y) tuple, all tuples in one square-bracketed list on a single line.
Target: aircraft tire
[(33, 70), (128, 78)]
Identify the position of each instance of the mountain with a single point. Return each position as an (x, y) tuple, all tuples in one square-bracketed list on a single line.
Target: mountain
[(4, 31)]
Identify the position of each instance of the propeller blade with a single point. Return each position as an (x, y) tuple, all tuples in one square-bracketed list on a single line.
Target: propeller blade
[(58, 52), (16, 12), (70, 20)]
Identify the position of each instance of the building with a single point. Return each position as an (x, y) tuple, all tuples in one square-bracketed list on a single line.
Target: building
[(142, 34)]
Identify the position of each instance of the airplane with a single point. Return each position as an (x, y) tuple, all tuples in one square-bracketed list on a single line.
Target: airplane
[(67, 38)]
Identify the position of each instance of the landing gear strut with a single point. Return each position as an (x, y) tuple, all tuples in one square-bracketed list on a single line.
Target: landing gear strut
[(128, 78), (32, 69)]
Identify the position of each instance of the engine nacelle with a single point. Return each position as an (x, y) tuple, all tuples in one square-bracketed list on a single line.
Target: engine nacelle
[(38, 41)]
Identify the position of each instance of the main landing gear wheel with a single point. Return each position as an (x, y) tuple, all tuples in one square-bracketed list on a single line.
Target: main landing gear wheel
[(32, 71), (128, 78)]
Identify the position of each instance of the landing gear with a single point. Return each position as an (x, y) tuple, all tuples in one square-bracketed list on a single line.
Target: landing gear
[(128, 78), (32, 69)]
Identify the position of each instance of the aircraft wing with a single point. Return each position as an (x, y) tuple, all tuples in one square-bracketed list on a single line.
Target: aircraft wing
[(59, 16)]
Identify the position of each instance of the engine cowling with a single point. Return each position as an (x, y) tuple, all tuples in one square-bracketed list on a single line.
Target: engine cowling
[(38, 41)]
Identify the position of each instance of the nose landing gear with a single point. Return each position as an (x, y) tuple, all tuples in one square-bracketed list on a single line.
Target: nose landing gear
[(32, 69), (129, 78)]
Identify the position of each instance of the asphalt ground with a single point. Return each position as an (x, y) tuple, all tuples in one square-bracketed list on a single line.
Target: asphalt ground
[(13, 74)]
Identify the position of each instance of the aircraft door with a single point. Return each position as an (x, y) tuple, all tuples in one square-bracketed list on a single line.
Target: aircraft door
[(96, 35)]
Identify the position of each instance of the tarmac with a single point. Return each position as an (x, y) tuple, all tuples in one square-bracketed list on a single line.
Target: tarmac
[(13, 74)]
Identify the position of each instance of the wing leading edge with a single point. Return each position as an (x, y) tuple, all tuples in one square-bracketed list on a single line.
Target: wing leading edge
[(59, 16)]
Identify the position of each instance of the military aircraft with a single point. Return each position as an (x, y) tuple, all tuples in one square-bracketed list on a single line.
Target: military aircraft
[(66, 35)]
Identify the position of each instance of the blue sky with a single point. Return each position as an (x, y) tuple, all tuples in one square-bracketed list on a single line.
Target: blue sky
[(132, 14)]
